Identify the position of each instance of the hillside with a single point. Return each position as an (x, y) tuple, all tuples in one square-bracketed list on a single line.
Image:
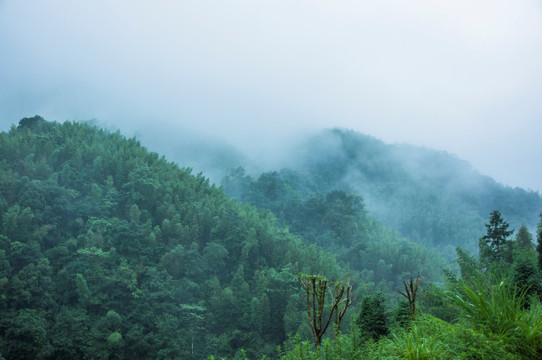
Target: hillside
[(428, 196), (108, 251)]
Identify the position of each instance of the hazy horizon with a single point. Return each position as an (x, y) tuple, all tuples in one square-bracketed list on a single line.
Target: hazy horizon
[(461, 76)]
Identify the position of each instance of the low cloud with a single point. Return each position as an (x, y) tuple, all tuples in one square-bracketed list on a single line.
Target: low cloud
[(456, 75)]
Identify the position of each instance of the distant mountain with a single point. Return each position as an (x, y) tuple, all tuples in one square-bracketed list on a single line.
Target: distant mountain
[(428, 196)]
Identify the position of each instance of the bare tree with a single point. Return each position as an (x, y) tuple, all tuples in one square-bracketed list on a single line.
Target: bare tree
[(316, 287), (341, 304), (411, 288)]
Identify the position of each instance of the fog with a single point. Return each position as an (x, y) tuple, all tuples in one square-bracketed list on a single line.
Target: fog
[(460, 76)]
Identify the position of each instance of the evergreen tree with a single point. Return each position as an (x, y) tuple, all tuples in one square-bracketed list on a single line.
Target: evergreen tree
[(403, 318), (469, 267), (524, 239), (496, 239), (373, 318), (526, 275)]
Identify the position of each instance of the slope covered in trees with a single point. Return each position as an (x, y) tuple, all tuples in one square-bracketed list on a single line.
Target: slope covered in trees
[(108, 251), (491, 310), (430, 197), (339, 223)]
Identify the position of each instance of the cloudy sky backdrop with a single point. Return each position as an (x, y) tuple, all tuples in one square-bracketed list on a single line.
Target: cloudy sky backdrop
[(463, 76)]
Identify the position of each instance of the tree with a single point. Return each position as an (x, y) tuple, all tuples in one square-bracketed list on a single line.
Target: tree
[(539, 242), (469, 267), (315, 287), (496, 239), (373, 317), (27, 336), (31, 122), (82, 289), (524, 239), (525, 272), (341, 304), (402, 314), (526, 275), (411, 288)]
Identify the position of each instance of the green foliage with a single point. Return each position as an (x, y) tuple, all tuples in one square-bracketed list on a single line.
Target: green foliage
[(402, 316), (26, 335), (526, 275), (108, 251), (339, 223), (539, 242), (430, 197), (495, 245), (468, 266), (373, 318), (432, 338), (344, 347), (419, 343), (114, 340), (524, 240), (434, 301), (82, 289), (498, 308)]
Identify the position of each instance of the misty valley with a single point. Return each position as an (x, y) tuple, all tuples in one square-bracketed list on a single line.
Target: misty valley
[(350, 249)]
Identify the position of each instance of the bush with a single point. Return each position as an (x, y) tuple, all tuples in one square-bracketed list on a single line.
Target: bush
[(498, 309)]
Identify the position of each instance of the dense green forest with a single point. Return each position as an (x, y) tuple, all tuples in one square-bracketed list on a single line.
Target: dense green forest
[(490, 310), (109, 251), (430, 197)]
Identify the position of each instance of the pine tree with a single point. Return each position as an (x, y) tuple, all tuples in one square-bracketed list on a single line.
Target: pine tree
[(402, 314), (496, 238), (526, 275), (468, 266), (373, 317), (524, 239)]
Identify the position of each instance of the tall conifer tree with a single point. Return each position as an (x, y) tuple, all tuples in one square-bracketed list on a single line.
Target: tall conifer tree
[(496, 238)]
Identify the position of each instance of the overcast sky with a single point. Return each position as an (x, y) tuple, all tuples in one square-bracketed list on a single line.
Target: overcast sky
[(463, 76)]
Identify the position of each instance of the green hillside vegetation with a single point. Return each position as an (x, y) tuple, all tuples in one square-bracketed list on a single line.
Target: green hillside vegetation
[(430, 197), (492, 310), (109, 251), (339, 223)]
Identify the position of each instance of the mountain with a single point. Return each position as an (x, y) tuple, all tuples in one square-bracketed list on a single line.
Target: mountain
[(428, 196), (109, 251)]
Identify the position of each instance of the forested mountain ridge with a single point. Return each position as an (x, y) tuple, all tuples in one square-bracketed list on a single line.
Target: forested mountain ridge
[(428, 196), (108, 251)]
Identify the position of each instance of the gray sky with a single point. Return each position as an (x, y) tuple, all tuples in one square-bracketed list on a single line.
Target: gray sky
[(463, 76)]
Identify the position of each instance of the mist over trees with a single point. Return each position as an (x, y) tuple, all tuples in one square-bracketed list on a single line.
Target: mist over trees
[(430, 197), (109, 251)]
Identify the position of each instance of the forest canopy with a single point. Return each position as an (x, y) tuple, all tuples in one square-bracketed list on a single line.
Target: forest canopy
[(109, 251)]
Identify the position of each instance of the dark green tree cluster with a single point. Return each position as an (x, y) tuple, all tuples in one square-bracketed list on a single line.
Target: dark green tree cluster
[(495, 245), (339, 223), (492, 311), (108, 251), (430, 197), (373, 319), (512, 258)]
